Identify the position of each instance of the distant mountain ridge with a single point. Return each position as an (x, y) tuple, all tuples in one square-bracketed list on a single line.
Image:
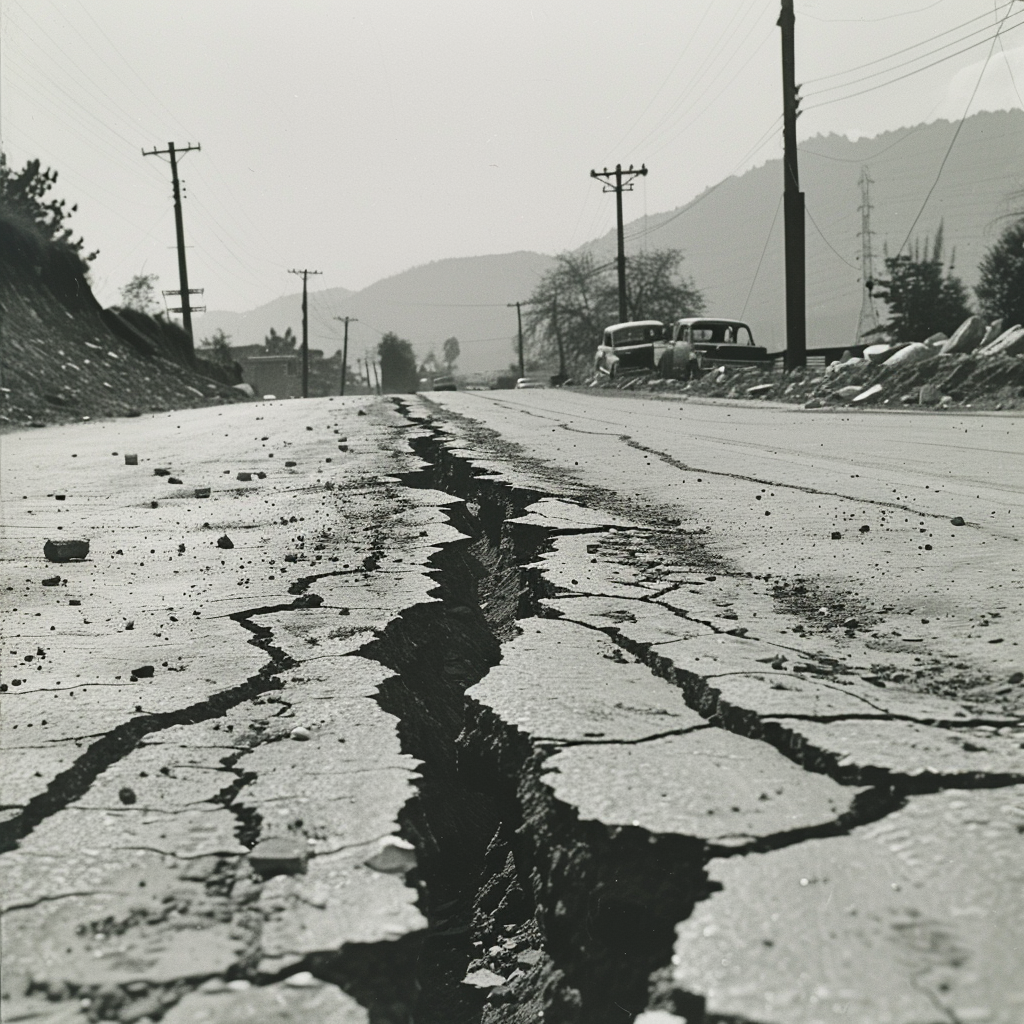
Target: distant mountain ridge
[(465, 297), (722, 237)]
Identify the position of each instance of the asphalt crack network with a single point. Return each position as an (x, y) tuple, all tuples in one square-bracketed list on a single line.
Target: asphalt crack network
[(534, 882), (76, 780)]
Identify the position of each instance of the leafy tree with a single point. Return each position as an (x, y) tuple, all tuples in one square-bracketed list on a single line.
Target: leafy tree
[(25, 195), (656, 289), (1000, 289), (923, 295), (140, 294), (397, 364), (218, 348), (280, 344), (451, 353), (577, 299)]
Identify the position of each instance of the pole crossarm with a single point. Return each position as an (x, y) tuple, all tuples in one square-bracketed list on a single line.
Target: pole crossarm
[(171, 148), (626, 184)]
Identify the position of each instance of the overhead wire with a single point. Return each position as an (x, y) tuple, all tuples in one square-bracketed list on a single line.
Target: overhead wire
[(909, 74), (778, 206), (907, 49), (956, 134), (885, 17), (711, 56), (825, 240), (718, 95)]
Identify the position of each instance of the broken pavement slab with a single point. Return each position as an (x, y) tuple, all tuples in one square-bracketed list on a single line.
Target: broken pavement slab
[(624, 749), (917, 917), (163, 783)]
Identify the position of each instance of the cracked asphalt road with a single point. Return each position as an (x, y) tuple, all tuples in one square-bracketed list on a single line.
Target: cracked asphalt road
[(663, 747)]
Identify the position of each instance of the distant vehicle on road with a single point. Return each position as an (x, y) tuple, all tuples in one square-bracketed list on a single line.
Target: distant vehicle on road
[(529, 382), (445, 383), (711, 340), (630, 348)]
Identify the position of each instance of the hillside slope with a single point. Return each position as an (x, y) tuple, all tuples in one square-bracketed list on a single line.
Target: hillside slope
[(724, 234), (465, 297)]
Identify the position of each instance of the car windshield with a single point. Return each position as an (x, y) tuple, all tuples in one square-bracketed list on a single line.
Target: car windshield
[(636, 334), (721, 334)]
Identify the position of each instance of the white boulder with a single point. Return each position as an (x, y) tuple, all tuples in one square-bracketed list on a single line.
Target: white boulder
[(915, 352), (967, 337)]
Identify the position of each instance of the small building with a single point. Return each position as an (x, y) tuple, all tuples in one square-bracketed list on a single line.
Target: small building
[(278, 375)]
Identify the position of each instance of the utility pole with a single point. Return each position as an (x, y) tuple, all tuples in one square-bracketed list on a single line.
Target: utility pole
[(558, 337), (519, 317), (618, 188), (305, 330), (868, 314), (796, 284), (344, 352), (186, 308)]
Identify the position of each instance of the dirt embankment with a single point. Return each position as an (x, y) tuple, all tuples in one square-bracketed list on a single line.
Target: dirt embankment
[(64, 358)]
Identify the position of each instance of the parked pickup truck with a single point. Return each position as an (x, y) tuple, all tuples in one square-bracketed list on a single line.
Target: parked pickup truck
[(710, 341)]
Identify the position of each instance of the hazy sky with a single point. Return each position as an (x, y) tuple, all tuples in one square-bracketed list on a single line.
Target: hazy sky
[(365, 137)]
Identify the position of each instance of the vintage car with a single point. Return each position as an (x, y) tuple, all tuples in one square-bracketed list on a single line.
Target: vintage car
[(632, 347), (524, 383), (708, 340)]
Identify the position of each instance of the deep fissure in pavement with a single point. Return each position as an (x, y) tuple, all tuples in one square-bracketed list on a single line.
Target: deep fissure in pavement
[(597, 904), (576, 913)]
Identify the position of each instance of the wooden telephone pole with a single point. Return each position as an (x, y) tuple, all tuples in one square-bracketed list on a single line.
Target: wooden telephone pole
[(519, 318), (793, 199), (618, 188), (305, 330), (344, 351), (186, 309)]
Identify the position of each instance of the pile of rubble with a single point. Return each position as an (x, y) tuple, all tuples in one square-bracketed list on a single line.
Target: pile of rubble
[(981, 366)]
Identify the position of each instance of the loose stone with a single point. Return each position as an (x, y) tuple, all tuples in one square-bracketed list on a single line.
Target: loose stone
[(65, 550)]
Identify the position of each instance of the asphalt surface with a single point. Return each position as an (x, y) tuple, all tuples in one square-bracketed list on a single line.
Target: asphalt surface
[(735, 767)]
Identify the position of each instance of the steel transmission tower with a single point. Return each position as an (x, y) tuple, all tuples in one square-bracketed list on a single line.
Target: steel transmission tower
[(868, 319)]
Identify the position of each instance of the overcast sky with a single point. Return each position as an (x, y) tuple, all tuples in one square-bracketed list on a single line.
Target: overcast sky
[(365, 137)]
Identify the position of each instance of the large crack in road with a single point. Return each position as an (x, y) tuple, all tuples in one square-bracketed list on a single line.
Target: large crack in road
[(608, 898)]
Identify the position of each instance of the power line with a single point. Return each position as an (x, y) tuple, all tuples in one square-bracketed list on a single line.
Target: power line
[(753, 281), (907, 49), (952, 141), (826, 241), (885, 17), (909, 74)]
